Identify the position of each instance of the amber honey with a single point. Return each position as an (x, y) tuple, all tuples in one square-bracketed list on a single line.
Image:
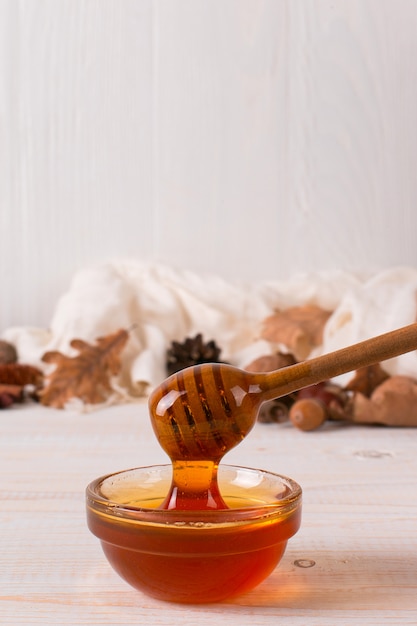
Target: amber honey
[(194, 556)]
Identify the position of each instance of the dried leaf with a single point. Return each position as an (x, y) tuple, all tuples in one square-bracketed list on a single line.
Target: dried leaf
[(20, 374), (87, 375), (16, 391), (367, 379), (299, 328)]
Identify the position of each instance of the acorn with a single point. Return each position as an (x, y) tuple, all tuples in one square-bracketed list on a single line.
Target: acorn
[(308, 414)]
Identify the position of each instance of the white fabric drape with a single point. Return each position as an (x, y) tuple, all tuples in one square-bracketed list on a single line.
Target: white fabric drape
[(162, 304)]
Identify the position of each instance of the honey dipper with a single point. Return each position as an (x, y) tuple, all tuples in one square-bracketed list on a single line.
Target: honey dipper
[(200, 413)]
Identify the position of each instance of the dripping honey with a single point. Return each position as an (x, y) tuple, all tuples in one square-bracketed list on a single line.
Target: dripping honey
[(194, 487)]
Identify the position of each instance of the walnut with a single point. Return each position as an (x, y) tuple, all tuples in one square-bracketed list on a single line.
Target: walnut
[(8, 353), (393, 403)]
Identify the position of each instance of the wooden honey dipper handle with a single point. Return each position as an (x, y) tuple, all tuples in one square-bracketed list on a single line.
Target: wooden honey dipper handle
[(202, 412), (365, 353)]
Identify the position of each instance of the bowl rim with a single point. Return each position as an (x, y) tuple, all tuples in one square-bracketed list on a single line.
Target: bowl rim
[(96, 502)]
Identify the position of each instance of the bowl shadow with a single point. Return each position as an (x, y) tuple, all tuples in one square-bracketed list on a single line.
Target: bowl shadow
[(339, 582)]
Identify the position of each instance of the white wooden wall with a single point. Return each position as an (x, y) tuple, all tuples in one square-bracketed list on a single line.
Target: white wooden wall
[(249, 138)]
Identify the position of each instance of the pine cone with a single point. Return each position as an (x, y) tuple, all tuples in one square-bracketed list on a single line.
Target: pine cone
[(192, 351)]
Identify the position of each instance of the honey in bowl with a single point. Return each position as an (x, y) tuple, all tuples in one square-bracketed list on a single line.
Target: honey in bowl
[(194, 556), (196, 531)]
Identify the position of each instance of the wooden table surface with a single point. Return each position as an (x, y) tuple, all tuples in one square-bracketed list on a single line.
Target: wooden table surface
[(354, 560)]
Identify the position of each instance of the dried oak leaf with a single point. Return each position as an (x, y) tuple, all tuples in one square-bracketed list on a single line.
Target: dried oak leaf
[(85, 376), (299, 328)]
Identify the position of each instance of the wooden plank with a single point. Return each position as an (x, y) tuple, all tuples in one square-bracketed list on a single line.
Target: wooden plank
[(353, 560), (221, 123), (75, 170), (351, 192), (250, 139)]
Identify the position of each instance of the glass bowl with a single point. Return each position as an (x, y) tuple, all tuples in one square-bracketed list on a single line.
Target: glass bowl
[(193, 556)]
